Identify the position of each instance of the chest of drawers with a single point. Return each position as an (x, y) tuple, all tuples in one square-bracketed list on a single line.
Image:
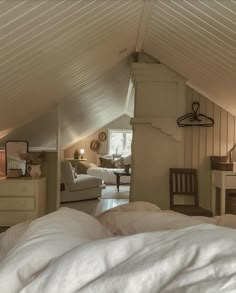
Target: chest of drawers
[(21, 199)]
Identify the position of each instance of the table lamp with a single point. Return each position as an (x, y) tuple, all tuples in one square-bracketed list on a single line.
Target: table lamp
[(81, 152)]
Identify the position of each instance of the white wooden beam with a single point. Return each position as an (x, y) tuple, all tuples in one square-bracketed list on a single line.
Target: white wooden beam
[(130, 88), (58, 146), (143, 24)]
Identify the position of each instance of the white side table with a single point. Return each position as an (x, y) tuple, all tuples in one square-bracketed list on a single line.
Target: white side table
[(223, 180)]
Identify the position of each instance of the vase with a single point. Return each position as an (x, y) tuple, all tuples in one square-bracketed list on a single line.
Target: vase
[(34, 171)]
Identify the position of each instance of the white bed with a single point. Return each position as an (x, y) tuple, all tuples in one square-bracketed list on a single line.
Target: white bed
[(69, 251)]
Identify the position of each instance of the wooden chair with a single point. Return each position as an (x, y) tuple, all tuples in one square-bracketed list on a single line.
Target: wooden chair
[(184, 182)]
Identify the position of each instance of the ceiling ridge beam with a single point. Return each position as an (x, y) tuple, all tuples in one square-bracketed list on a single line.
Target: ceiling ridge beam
[(147, 5)]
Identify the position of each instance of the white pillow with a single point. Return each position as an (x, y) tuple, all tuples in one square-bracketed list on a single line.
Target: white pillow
[(133, 222), (133, 206)]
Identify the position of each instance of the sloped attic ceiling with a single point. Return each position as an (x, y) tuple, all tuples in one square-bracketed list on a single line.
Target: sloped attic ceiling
[(101, 100), (197, 38), (58, 49), (69, 51)]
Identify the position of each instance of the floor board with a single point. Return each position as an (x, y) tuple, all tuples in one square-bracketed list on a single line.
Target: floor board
[(95, 207)]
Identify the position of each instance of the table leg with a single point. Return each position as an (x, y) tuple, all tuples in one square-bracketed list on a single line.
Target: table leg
[(213, 203), (222, 196), (213, 197), (222, 201), (118, 182)]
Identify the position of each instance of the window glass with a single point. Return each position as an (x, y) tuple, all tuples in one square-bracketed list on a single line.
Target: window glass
[(120, 141)]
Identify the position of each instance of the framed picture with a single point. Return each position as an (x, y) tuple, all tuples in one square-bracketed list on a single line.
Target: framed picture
[(102, 136), (94, 145)]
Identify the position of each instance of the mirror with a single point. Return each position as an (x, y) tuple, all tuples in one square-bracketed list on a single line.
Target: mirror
[(15, 165)]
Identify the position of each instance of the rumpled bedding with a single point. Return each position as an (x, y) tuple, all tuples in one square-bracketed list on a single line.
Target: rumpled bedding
[(69, 251), (139, 217)]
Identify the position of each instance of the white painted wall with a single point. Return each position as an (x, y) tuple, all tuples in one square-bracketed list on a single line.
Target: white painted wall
[(158, 143), (201, 142), (154, 152)]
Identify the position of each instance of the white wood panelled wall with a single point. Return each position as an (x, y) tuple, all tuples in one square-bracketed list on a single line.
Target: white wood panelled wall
[(203, 142)]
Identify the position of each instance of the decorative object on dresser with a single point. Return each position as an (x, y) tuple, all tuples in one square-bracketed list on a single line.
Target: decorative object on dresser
[(21, 199), (34, 171), (222, 163), (15, 163), (34, 163)]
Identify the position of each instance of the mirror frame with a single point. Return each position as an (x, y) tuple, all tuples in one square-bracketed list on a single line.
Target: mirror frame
[(27, 149)]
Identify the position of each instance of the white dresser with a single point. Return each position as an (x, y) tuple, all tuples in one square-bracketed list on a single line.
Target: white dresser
[(21, 199)]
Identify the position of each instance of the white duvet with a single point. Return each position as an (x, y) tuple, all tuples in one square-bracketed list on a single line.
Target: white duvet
[(69, 251)]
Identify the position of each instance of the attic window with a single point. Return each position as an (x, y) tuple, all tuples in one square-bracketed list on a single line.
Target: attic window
[(120, 141)]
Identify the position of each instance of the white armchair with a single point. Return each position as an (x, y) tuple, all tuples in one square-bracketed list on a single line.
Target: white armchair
[(75, 187)]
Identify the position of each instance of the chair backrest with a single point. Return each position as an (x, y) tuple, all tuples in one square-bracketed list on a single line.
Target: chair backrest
[(183, 181)]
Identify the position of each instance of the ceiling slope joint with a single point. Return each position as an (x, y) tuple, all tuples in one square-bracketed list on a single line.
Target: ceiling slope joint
[(145, 18)]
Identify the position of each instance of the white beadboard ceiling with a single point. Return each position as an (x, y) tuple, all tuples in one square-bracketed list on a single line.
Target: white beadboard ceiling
[(76, 53), (65, 52), (197, 38)]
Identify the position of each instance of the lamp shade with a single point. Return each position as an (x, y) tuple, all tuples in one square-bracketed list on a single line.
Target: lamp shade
[(81, 151)]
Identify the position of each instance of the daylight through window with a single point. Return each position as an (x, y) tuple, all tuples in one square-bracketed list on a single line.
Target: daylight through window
[(120, 141)]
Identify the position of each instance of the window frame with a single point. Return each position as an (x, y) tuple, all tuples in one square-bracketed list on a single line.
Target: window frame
[(110, 131)]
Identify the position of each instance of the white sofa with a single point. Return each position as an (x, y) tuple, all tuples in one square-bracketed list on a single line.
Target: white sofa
[(78, 187), (107, 174)]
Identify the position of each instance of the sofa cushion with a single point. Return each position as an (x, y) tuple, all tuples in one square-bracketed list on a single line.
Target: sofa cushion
[(84, 182), (83, 167), (118, 163), (106, 162)]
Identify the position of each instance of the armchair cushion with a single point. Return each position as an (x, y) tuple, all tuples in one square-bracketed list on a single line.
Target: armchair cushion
[(84, 182), (67, 172)]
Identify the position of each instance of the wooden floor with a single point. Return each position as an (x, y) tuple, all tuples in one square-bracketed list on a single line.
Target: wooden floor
[(95, 207)]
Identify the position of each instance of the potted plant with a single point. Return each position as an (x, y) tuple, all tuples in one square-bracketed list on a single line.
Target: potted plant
[(76, 154)]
